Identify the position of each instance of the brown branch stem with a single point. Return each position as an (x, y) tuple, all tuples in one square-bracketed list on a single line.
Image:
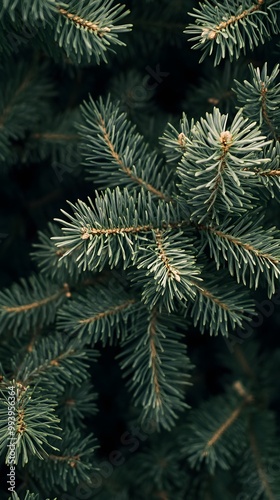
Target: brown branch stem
[(125, 169)]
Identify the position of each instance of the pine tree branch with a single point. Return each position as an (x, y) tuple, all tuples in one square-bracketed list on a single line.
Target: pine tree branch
[(109, 140), (260, 98), (101, 314), (29, 12), (236, 241), (54, 136), (166, 266), (211, 437), (36, 425), (71, 459), (216, 308), (86, 232), (109, 312), (44, 367), (155, 363), (52, 359), (83, 23), (225, 27), (39, 303), (269, 173), (247, 399), (226, 142), (72, 463), (88, 29), (249, 250), (243, 362), (152, 331), (127, 170), (175, 142), (21, 88), (111, 227), (259, 465), (213, 169), (31, 303), (223, 428), (212, 34), (264, 111), (172, 272), (206, 293)]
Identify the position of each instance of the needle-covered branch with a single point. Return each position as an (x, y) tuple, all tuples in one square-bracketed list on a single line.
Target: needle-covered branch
[(154, 358), (115, 153), (108, 230), (260, 98), (102, 313), (250, 250), (228, 29), (214, 170), (218, 430), (31, 303)]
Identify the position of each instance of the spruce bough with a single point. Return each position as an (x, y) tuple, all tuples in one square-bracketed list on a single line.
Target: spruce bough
[(169, 258)]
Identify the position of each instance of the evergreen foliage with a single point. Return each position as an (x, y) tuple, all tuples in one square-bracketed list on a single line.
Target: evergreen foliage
[(128, 367)]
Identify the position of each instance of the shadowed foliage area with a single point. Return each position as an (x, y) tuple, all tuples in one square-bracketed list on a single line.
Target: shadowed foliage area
[(140, 250)]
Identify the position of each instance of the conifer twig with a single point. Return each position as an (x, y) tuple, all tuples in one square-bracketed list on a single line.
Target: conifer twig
[(247, 399), (260, 469), (212, 34), (127, 170), (83, 23), (108, 312), (154, 356)]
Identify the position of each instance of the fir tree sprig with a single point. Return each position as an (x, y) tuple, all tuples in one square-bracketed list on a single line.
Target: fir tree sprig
[(102, 314), (249, 249), (89, 28), (213, 170), (174, 142), (167, 270), (154, 358), (31, 303), (75, 404), (260, 98), (115, 153), (227, 29), (31, 12), (35, 425), (107, 231), (258, 469), (219, 308), (71, 464), (48, 257), (23, 102), (218, 436), (52, 360)]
